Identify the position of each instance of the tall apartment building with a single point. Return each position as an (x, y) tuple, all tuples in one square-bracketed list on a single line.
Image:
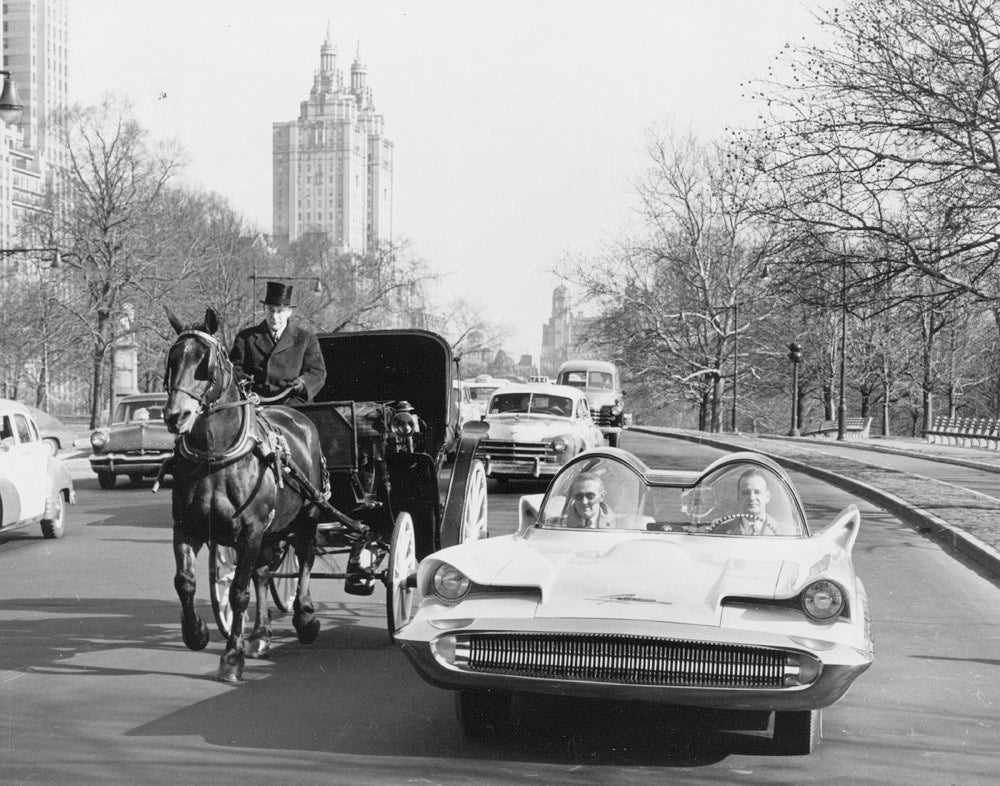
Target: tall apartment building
[(35, 51), (333, 166)]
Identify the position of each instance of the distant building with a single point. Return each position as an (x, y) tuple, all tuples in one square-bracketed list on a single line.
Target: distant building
[(35, 45), (564, 335), (333, 167)]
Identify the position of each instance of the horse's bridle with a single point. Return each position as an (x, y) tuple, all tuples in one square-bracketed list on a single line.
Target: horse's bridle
[(208, 401)]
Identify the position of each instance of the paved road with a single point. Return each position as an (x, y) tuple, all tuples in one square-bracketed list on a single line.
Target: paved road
[(96, 686)]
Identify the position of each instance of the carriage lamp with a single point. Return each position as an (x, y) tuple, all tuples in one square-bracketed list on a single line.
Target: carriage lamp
[(404, 424)]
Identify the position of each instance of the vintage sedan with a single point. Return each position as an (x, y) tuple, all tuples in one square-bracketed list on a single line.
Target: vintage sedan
[(668, 599), (534, 430), (35, 486), (136, 443)]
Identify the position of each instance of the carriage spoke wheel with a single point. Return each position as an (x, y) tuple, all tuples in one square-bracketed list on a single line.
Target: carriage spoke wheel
[(399, 595), (221, 571), (286, 583), (474, 525)]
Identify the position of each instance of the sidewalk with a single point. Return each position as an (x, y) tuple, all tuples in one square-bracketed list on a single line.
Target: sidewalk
[(964, 519)]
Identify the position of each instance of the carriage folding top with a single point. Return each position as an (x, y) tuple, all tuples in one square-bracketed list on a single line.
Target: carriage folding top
[(386, 421)]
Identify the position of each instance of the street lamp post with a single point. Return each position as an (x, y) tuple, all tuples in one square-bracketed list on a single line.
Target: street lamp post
[(736, 351), (795, 355), (842, 404), (10, 103)]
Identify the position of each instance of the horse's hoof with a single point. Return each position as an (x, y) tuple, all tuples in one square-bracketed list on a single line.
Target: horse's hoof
[(307, 631), (259, 647), (230, 667), (195, 638)]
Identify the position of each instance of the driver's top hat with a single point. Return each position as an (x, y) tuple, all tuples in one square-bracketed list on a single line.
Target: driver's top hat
[(278, 294)]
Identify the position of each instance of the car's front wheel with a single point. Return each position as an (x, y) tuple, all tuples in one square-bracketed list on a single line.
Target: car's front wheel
[(106, 480), (482, 713), (797, 733), (54, 524)]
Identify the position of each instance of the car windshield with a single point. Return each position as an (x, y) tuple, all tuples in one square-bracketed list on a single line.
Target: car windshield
[(134, 411), (531, 404), (481, 392), (739, 498), (596, 380)]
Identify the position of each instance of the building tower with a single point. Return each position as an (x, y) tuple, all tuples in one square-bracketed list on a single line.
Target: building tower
[(35, 44), (333, 166)]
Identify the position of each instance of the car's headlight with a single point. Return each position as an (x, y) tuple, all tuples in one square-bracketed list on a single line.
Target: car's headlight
[(564, 444), (617, 408), (823, 601), (98, 440), (449, 583)]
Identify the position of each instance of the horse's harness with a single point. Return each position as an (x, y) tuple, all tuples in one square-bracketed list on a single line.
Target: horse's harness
[(268, 444)]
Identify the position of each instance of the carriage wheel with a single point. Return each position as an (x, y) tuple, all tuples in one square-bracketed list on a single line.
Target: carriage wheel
[(284, 587), (221, 571), (399, 595), (474, 523)]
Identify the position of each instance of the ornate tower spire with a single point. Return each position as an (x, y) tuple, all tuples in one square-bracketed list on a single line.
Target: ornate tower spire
[(358, 76)]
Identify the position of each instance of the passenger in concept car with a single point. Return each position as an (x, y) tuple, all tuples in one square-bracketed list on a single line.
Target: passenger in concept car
[(587, 508), (752, 519)]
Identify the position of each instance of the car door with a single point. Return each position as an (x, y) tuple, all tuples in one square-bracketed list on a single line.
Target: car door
[(23, 458)]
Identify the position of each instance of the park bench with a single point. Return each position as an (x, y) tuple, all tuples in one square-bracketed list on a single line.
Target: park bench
[(854, 428), (964, 432)]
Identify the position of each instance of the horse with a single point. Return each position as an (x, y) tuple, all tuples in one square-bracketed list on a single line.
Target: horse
[(229, 488)]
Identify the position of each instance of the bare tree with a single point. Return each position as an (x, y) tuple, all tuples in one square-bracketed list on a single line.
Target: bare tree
[(116, 178)]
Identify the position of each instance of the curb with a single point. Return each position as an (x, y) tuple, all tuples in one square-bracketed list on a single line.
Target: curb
[(918, 518), (967, 463)]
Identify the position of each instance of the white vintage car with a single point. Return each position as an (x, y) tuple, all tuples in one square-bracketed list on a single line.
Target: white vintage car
[(35, 486), (667, 599), (534, 429)]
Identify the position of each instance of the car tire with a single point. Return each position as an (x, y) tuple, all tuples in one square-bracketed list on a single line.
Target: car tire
[(613, 440), (106, 480), (483, 713), (55, 526), (135, 478), (503, 484), (797, 733)]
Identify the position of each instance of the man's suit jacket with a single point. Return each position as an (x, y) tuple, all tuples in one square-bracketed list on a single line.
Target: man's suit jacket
[(271, 366)]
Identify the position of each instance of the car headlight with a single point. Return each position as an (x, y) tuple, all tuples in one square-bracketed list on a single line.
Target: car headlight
[(449, 583), (823, 601), (98, 440), (565, 445), (617, 408)]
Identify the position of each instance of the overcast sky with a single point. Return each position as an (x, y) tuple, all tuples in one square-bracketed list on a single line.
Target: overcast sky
[(517, 124)]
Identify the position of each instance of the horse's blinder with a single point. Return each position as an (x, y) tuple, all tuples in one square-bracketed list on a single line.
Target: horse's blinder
[(217, 358)]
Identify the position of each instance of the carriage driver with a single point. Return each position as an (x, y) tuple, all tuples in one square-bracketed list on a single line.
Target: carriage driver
[(277, 354)]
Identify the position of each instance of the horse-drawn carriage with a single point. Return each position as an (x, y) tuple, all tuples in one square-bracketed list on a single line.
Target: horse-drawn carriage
[(375, 504)]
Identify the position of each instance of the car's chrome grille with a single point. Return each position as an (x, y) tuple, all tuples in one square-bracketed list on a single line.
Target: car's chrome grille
[(602, 416), (632, 660), (500, 450)]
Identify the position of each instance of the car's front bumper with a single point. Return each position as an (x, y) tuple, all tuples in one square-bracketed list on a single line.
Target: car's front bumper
[(128, 463), (613, 672)]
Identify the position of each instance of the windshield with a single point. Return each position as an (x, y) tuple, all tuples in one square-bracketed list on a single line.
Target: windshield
[(481, 392), (740, 498), (133, 411), (531, 404), (595, 380)]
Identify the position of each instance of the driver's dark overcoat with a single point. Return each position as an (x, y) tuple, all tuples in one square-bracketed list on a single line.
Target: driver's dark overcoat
[(271, 367)]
